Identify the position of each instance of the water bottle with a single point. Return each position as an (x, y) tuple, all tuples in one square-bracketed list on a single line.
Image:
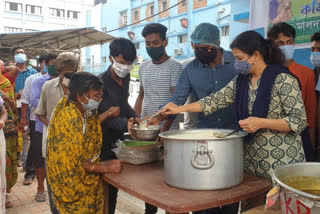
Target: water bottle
[(26, 129)]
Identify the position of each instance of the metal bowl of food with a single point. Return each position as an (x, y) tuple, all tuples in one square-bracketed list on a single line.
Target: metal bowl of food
[(145, 133)]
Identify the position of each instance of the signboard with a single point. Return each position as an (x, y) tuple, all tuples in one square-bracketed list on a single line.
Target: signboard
[(303, 15)]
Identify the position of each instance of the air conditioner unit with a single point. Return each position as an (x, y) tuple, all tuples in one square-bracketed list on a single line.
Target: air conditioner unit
[(178, 51)]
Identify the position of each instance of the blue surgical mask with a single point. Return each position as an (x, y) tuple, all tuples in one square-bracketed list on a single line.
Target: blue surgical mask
[(92, 104), (45, 69), (288, 51), (315, 59), (20, 58), (242, 67)]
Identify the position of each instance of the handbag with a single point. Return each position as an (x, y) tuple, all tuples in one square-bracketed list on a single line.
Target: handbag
[(10, 127)]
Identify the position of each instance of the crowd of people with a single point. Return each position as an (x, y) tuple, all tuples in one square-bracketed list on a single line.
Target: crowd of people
[(69, 121)]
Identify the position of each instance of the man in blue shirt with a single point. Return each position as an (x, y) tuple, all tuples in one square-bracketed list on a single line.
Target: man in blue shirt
[(209, 72)]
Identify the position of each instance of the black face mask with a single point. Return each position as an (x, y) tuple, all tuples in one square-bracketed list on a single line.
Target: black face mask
[(206, 55)]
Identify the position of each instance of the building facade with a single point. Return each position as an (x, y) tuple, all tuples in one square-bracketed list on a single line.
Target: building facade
[(126, 18), (41, 15)]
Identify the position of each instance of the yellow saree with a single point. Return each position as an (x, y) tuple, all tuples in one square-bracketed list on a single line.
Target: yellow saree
[(71, 139)]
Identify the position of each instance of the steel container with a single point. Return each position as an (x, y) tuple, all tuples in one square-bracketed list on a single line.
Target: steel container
[(293, 200), (203, 164), (148, 134)]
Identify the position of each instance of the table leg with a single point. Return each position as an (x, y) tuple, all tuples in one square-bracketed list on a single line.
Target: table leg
[(106, 198)]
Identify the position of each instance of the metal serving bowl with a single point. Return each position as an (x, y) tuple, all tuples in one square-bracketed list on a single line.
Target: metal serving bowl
[(149, 134)]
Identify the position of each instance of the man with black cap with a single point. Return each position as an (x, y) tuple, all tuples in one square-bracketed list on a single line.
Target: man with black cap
[(210, 71)]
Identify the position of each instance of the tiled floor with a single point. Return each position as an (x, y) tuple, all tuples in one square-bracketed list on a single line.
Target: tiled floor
[(23, 200)]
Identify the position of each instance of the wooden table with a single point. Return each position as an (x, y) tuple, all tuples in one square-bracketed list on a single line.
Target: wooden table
[(276, 209), (146, 182)]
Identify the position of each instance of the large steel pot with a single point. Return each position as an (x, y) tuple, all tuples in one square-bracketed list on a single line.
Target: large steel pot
[(203, 164)]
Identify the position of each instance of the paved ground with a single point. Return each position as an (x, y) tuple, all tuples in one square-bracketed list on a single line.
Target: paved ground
[(22, 198)]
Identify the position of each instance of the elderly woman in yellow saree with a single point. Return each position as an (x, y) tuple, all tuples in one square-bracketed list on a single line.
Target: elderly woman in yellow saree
[(10, 132), (74, 143)]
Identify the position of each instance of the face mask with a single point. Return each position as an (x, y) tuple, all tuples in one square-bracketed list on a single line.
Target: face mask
[(52, 70), (66, 82), (20, 58), (288, 51), (243, 67), (155, 52), (45, 69), (120, 69), (315, 59), (92, 104), (206, 56)]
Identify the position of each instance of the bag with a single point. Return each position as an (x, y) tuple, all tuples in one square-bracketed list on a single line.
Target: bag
[(10, 127)]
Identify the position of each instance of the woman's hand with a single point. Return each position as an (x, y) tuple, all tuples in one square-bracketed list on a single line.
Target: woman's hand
[(111, 166), (170, 108), (114, 111), (251, 124)]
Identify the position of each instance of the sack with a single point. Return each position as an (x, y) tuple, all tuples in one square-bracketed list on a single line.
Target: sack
[(10, 127), (137, 154)]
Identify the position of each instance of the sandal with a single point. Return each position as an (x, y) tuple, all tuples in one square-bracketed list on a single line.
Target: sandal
[(27, 181), (8, 204), (40, 198)]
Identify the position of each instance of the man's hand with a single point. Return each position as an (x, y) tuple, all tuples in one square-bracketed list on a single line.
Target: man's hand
[(23, 123), (18, 96), (114, 111), (251, 124)]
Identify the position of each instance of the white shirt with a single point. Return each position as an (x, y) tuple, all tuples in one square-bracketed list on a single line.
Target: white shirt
[(25, 97)]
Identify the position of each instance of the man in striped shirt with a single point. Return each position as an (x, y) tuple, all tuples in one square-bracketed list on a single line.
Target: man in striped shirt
[(158, 78)]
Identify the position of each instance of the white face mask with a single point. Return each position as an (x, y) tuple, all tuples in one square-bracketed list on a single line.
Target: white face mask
[(120, 69), (315, 59), (66, 82)]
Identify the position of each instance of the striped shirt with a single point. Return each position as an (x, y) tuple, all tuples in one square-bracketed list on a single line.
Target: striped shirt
[(157, 80)]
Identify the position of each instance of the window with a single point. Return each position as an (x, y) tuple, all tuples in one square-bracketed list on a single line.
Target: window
[(56, 12), (12, 29), (104, 29), (88, 61), (136, 15), (73, 14), (32, 9), (151, 10), (164, 5), (123, 19), (14, 6), (225, 30), (137, 45), (184, 3), (183, 38), (104, 59)]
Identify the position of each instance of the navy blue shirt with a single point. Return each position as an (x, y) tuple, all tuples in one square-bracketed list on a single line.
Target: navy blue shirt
[(202, 80)]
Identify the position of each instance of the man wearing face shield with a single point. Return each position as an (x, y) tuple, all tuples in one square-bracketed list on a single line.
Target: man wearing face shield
[(283, 35), (115, 93)]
